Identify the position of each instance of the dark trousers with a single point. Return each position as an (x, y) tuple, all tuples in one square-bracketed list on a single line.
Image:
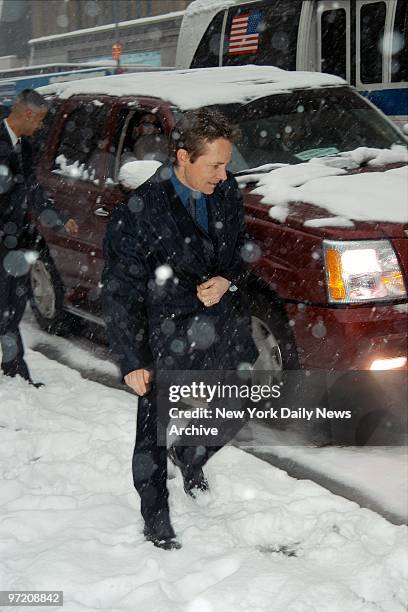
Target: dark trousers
[(149, 463), (13, 299)]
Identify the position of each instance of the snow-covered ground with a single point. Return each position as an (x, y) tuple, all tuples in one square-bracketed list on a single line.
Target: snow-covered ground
[(260, 542), (378, 474)]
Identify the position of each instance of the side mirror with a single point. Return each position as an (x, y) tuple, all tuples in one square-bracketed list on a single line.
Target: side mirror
[(404, 129)]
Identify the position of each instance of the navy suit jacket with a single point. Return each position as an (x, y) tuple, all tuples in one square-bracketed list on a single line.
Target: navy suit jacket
[(20, 192), (155, 256)]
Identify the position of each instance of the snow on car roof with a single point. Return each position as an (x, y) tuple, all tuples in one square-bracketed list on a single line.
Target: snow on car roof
[(201, 87)]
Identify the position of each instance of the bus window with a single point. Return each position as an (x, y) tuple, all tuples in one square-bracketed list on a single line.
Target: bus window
[(372, 23), (208, 51), (399, 65), (334, 42), (263, 34)]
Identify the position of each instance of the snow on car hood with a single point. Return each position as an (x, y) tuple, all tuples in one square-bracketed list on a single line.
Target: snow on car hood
[(347, 197), (190, 89)]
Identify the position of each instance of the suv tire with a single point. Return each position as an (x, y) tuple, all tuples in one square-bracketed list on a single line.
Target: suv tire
[(47, 296), (272, 334), (274, 339)]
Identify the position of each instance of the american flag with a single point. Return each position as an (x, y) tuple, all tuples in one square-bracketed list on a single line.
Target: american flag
[(244, 33)]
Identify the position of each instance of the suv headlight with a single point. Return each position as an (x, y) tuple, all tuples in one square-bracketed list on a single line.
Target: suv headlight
[(362, 271)]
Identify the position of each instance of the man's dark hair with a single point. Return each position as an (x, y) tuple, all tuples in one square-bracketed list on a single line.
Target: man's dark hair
[(198, 127), (30, 97)]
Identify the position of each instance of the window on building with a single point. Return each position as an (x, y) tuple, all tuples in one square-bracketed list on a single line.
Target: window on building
[(372, 24), (81, 145), (334, 42), (129, 11), (399, 62), (78, 16)]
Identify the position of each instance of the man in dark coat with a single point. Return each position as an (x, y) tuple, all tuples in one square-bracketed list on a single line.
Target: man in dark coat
[(175, 264), (20, 194)]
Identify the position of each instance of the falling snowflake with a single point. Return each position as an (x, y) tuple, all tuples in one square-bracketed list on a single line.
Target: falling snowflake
[(163, 273), (250, 252), (319, 330), (16, 264)]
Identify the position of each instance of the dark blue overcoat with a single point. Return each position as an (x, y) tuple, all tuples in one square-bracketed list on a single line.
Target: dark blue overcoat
[(155, 256)]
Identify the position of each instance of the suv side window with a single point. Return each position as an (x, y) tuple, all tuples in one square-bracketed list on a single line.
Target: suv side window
[(80, 147), (135, 141), (39, 138)]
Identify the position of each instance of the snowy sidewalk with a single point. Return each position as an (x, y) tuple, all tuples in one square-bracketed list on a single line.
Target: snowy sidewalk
[(262, 541)]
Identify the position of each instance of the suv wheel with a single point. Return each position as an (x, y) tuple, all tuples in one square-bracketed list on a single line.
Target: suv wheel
[(274, 340), (272, 335), (47, 296)]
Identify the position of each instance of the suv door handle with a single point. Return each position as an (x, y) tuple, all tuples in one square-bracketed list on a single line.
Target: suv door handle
[(101, 212)]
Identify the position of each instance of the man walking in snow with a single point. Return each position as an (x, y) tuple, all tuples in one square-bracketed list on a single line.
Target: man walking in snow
[(173, 296), (20, 194)]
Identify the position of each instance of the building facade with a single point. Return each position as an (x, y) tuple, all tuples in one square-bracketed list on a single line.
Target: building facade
[(62, 16), (53, 31)]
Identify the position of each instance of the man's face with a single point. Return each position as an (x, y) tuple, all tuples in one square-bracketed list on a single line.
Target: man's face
[(148, 124), (32, 119), (209, 168)]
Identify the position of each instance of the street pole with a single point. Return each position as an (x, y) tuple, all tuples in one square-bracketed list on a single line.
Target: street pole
[(117, 35)]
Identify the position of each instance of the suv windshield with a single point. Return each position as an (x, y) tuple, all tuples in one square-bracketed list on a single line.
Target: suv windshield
[(295, 127)]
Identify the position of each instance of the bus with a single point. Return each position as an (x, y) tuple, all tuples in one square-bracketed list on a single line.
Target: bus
[(363, 41), (14, 80)]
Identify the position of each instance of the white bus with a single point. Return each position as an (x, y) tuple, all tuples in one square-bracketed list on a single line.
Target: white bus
[(363, 41)]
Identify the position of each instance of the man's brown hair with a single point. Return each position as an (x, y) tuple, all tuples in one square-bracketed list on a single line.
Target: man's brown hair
[(198, 127)]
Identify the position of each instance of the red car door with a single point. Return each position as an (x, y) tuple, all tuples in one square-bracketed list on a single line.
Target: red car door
[(72, 173)]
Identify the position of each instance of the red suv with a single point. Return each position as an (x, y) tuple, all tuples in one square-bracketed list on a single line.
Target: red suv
[(322, 173)]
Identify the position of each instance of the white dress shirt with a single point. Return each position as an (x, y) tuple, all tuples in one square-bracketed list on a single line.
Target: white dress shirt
[(14, 138)]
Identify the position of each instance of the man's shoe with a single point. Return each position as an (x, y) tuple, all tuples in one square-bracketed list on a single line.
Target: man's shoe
[(194, 480), (37, 385), (161, 534), (19, 368)]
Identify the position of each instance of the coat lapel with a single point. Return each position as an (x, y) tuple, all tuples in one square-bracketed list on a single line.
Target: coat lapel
[(200, 242)]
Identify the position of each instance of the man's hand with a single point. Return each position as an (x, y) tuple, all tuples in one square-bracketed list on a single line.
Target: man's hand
[(140, 380), (71, 227), (210, 292)]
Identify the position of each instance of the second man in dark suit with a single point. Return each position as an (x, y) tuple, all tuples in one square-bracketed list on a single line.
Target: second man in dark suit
[(20, 195)]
